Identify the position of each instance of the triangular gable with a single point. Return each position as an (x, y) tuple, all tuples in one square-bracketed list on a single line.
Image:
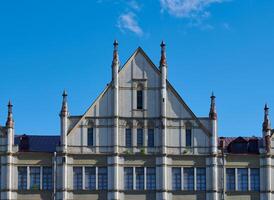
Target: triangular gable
[(169, 86)]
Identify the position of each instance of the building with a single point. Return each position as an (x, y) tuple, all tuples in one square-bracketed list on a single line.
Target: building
[(138, 140)]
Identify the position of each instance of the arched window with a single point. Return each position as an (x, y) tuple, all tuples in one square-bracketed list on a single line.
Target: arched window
[(139, 97)]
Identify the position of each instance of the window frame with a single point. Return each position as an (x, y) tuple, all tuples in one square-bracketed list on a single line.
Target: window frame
[(90, 136), (139, 99)]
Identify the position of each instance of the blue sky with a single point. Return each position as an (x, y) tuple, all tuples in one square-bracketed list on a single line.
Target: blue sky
[(221, 45)]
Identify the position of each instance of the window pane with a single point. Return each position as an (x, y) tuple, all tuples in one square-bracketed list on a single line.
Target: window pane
[(139, 171), (128, 138), (150, 142), (139, 137), (139, 99), (22, 178), (255, 179), (188, 137), (34, 178), (242, 179), (90, 178), (188, 179), (77, 178), (128, 178), (151, 178), (47, 178), (102, 178), (90, 136), (201, 178), (176, 178), (230, 179)]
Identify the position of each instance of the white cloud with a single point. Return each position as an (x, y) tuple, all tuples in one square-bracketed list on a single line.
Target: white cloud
[(134, 5), (187, 8), (127, 22)]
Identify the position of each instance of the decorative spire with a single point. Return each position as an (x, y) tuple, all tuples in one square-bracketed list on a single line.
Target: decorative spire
[(163, 54), (266, 123), (10, 122), (115, 53), (64, 110), (212, 112)]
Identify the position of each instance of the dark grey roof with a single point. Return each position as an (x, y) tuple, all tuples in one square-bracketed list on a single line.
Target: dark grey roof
[(39, 143)]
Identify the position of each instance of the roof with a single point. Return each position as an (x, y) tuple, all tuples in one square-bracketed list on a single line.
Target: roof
[(231, 148), (37, 143)]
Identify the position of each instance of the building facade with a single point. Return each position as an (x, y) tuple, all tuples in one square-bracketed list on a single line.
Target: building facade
[(138, 140)]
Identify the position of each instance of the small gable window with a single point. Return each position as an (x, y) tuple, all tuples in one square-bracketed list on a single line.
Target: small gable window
[(90, 137), (139, 96), (139, 99), (188, 137)]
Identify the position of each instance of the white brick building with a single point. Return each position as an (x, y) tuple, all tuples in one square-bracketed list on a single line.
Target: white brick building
[(138, 140)]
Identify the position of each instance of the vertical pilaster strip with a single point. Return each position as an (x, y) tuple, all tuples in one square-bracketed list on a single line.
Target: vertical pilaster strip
[(114, 168), (163, 195)]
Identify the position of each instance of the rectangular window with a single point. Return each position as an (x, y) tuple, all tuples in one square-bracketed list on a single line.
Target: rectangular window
[(151, 178), (230, 179), (140, 137), (128, 137), (47, 178), (201, 178), (102, 178), (128, 178), (255, 179), (139, 99), (139, 173), (77, 178), (242, 179), (90, 137), (35, 178), (22, 178), (188, 137), (189, 179), (176, 178), (90, 178), (150, 138)]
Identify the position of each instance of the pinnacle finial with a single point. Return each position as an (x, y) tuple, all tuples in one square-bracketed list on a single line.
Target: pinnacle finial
[(10, 122), (115, 53), (212, 112), (266, 123), (163, 54), (64, 109)]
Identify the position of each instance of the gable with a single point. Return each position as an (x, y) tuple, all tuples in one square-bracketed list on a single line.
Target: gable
[(139, 69)]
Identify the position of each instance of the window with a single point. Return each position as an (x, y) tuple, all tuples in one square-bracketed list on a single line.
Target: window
[(128, 138), (188, 137), (34, 178), (22, 178), (176, 178), (201, 178), (47, 178), (139, 173), (128, 178), (139, 137), (77, 178), (151, 178), (90, 137), (150, 137), (102, 178), (230, 179), (242, 179), (188, 178), (139, 99), (90, 178), (255, 179)]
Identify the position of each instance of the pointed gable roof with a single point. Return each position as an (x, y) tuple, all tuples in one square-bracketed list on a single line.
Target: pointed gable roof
[(142, 52)]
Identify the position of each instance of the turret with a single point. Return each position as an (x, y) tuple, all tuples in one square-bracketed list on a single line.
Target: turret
[(267, 129), (115, 61), (10, 128), (213, 125), (64, 121)]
